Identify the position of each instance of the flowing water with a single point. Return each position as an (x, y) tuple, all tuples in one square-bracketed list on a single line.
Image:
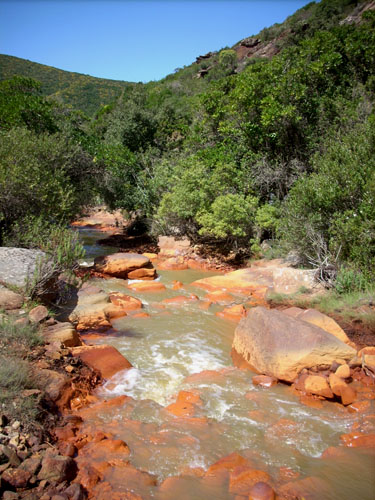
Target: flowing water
[(270, 427)]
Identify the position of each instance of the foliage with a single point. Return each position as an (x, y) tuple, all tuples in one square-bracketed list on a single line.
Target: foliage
[(21, 105), (43, 174)]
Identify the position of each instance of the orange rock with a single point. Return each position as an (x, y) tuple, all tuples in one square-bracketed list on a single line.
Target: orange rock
[(144, 273), (189, 397), (358, 440), (219, 296), (205, 305), (240, 362), (316, 384), (343, 371), (243, 478), (205, 376), (141, 315), (285, 474), (115, 312), (282, 429), (261, 491), (257, 415), (370, 350), (311, 488), (104, 358), (181, 409), (240, 281), (120, 264), (198, 264), (177, 285), (173, 264), (180, 299), (229, 463), (359, 406), (126, 302), (147, 286), (234, 313), (311, 401), (264, 381)]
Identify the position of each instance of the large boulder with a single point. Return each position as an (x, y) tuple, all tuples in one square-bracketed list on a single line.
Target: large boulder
[(17, 265), (121, 264), (280, 346), (64, 333)]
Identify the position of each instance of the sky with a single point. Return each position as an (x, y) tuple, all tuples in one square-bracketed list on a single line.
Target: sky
[(130, 40)]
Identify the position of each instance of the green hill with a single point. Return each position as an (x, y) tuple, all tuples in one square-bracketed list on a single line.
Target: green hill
[(83, 92)]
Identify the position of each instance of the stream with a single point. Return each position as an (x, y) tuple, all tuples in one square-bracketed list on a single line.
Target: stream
[(186, 348)]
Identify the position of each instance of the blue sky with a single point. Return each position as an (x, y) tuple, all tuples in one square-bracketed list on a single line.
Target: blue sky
[(130, 40)]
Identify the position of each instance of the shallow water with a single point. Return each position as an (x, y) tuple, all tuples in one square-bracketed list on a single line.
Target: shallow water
[(269, 426)]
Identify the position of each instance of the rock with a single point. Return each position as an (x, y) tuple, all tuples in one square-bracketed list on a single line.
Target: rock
[(32, 464), (343, 371), (181, 409), (17, 265), (8, 454), (52, 383), (264, 381), (316, 384), (280, 346), (120, 264), (218, 296), (170, 247), (261, 491), (16, 478), (359, 406), (57, 468), (9, 300), (233, 313), (310, 488), (240, 281), (75, 492), (243, 479), (229, 463), (180, 299), (104, 358), (63, 333), (358, 440), (317, 318), (173, 264), (38, 314), (289, 280), (142, 274), (88, 316), (148, 286)]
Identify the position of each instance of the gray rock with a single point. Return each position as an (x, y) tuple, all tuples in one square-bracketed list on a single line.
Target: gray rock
[(17, 265)]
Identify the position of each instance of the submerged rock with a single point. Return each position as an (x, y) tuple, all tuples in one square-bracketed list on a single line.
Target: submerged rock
[(280, 346)]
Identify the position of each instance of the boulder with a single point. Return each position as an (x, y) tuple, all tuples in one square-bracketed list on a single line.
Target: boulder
[(142, 274), (147, 286), (9, 300), (107, 360), (57, 468), (54, 384), (64, 333), (233, 313), (126, 302), (173, 264), (280, 346), (120, 264), (17, 265), (317, 318), (288, 280)]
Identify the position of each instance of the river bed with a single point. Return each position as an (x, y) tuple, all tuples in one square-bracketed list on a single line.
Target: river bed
[(270, 427)]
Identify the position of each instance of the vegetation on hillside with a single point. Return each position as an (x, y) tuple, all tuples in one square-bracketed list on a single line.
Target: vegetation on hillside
[(274, 148)]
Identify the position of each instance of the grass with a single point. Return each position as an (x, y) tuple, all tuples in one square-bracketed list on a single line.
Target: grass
[(16, 374)]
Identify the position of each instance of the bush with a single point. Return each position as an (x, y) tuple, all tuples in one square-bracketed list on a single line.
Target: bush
[(42, 174), (351, 280)]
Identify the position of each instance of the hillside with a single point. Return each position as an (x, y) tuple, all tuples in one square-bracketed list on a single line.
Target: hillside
[(88, 93), (83, 92)]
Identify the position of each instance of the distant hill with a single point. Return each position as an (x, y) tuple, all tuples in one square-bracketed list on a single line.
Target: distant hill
[(83, 92)]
